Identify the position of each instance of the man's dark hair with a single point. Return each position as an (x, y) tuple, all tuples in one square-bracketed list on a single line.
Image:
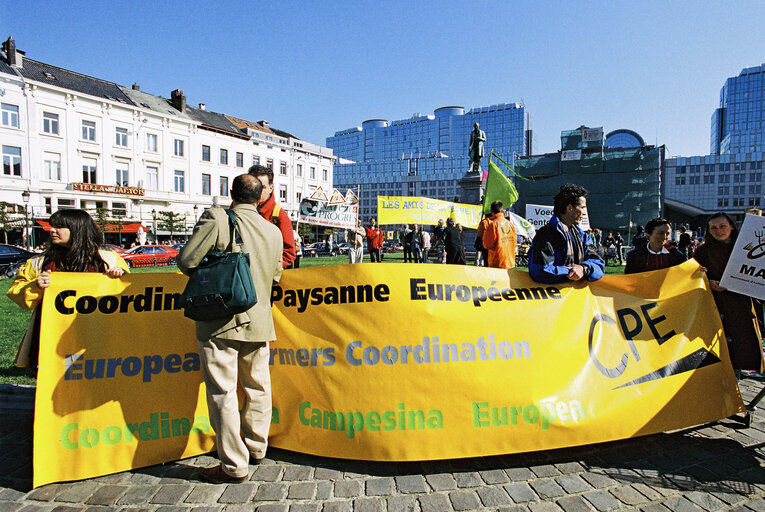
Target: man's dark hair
[(258, 170), (568, 194), (246, 188), (449, 221), (496, 207), (655, 223)]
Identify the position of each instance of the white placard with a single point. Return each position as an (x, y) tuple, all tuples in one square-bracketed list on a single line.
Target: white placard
[(745, 272), (538, 215), (571, 155), (592, 134)]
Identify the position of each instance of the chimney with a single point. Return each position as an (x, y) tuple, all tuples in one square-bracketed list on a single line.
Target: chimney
[(136, 87), (263, 123), (178, 100), (202, 106), (14, 57)]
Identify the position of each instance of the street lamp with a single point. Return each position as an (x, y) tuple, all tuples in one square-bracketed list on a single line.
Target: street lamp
[(25, 196), (154, 219), (196, 212)]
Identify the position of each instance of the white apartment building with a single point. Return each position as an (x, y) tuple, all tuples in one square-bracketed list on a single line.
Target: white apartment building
[(74, 141)]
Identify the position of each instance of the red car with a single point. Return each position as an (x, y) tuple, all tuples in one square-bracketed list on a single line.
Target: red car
[(111, 247), (148, 255)]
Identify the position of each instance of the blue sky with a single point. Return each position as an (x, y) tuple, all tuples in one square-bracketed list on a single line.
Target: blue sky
[(314, 68)]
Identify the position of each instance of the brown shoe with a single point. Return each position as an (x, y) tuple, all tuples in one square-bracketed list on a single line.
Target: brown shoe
[(216, 475)]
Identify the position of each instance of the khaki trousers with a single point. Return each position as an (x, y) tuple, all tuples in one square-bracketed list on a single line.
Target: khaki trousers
[(356, 254), (238, 434)]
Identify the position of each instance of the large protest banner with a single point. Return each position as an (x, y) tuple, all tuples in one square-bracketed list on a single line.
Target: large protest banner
[(386, 362), (423, 210), (334, 210)]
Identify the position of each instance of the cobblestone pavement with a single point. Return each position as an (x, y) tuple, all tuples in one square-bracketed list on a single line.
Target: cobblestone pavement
[(719, 466)]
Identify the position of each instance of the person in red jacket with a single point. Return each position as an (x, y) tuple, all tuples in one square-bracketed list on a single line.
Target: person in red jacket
[(499, 239), (274, 213), (374, 241)]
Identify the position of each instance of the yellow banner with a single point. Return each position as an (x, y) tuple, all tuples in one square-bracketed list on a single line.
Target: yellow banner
[(423, 210), (400, 362)]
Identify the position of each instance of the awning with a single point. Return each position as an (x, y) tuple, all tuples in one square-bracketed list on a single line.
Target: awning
[(128, 227)]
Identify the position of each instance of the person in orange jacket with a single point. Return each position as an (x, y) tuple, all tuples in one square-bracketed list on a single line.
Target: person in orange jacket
[(274, 213), (500, 239)]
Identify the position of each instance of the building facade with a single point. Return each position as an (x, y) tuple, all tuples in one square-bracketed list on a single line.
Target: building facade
[(74, 141), (425, 155), (624, 182), (730, 178)]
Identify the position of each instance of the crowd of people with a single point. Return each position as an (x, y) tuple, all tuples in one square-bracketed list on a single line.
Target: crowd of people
[(234, 350)]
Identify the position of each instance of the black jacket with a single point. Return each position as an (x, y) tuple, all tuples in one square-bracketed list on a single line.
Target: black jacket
[(637, 259)]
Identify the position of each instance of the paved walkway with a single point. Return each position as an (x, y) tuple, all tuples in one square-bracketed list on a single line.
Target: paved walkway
[(720, 466)]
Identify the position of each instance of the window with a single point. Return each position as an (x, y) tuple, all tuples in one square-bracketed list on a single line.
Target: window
[(178, 147), (283, 193), (313, 173), (680, 170), (739, 178), (224, 186), (255, 160), (270, 164), (120, 137), (325, 174), (48, 205), (224, 156), (119, 209), (152, 177), (299, 170), (206, 184), (709, 179), (738, 201), (755, 176), (721, 191), (10, 115), (205, 153), (299, 197), (724, 178), (65, 204), (50, 123), (89, 166), (739, 189), (180, 181), (755, 189), (52, 166), (680, 180), (121, 170), (694, 180), (283, 168), (754, 201), (151, 142), (89, 130), (240, 159), (11, 161)]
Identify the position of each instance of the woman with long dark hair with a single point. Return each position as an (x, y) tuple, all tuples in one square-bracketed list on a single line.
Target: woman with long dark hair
[(75, 242), (737, 311)]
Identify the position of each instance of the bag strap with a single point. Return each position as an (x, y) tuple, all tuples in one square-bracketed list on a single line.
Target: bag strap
[(235, 235)]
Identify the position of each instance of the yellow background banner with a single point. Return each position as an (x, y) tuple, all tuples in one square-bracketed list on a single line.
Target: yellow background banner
[(423, 210), (385, 362)]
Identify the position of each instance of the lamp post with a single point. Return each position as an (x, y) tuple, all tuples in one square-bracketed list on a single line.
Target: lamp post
[(196, 213), (154, 220), (25, 196)]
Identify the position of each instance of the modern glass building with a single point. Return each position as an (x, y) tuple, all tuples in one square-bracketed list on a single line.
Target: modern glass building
[(738, 124), (730, 178), (425, 155)]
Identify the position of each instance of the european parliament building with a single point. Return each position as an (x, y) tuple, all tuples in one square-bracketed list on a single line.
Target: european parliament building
[(425, 155), (730, 178)]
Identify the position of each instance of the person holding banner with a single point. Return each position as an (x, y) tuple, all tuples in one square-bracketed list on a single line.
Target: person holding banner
[(75, 242), (737, 311), (274, 213), (374, 241), (559, 250), (356, 251), (499, 239), (235, 349), (655, 254), (455, 248)]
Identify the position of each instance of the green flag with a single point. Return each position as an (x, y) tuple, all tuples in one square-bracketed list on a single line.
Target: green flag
[(498, 188)]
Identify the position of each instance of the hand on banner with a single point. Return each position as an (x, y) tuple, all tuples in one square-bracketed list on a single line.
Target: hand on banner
[(715, 285), (576, 272), (115, 272), (43, 280)]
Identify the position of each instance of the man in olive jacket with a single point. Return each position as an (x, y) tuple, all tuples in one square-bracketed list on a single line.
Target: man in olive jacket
[(236, 348)]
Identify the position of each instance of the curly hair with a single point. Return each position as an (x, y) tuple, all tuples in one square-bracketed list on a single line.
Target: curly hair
[(568, 194)]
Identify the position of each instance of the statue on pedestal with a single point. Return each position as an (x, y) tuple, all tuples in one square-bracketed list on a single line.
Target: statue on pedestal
[(475, 148)]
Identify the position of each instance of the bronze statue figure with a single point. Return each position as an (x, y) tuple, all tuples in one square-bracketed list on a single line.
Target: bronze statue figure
[(475, 148)]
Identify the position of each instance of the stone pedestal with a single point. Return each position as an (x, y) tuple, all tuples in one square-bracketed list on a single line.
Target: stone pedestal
[(470, 193)]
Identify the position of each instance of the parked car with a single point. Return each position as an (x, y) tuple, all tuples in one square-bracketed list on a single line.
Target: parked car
[(11, 258), (149, 255), (320, 249), (115, 248), (344, 247), (178, 247)]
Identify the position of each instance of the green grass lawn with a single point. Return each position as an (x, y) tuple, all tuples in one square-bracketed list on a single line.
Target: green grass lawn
[(15, 319)]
